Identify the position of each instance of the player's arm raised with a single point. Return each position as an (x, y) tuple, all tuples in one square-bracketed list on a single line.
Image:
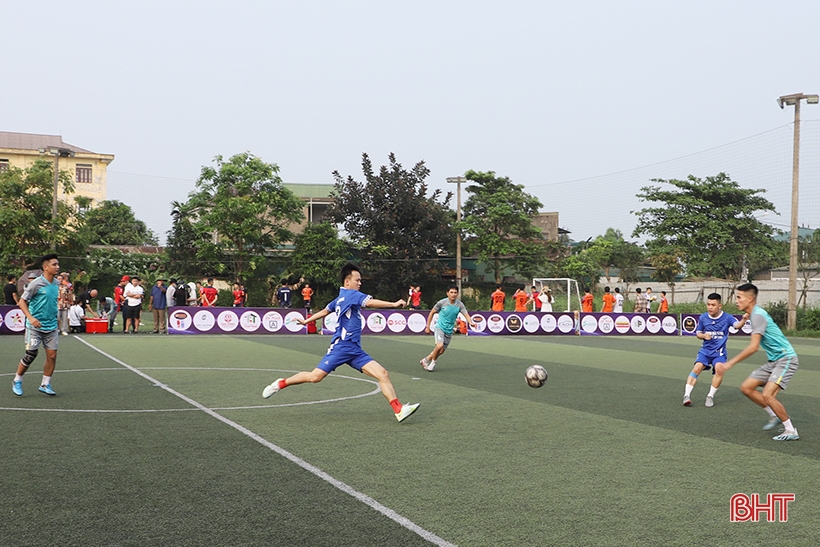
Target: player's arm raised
[(383, 304), (315, 317)]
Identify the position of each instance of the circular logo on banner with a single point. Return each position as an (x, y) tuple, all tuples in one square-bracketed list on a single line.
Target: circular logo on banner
[(622, 324), (376, 322), (495, 323), (180, 320), (396, 322), (653, 324), (290, 321), (15, 320), (416, 322), (548, 323), (606, 324), (331, 321), (272, 321), (513, 323), (531, 323), (1, 319), (480, 323), (638, 324), (250, 321), (747, 327), (669, 324), (689, 324), (204, 321), (227, 321), (566, 323), (589, 324)]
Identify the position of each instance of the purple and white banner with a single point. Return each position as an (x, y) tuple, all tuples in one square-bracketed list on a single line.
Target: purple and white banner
[(12, 320), (689, 325), (653, 324), (211, 320)]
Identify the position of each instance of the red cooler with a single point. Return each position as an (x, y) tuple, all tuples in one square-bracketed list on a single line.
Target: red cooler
[(94, 325)]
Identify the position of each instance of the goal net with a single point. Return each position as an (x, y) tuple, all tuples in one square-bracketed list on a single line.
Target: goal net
[(566, 292)]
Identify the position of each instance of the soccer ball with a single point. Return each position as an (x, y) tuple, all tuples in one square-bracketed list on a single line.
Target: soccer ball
[(536, 376)]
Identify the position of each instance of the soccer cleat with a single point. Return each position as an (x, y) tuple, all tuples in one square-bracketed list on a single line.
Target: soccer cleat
[(47, 390), (17, 388), (431, 366), (773, 422), (687, 401), (787, 436), (271, 389), (406, 410), (710, 401), (425, 363)]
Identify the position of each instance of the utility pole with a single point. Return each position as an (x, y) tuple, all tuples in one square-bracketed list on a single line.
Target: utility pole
[(458, 181)]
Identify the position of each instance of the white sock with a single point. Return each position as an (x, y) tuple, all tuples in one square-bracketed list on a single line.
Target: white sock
[(712, 391), (46, 380), (688, 390), (18, 378), (788, 425), (770, 411)]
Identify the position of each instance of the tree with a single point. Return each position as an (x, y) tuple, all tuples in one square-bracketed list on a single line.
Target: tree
[(183, 242), (25, 215), (398, 228), (808, 263), (498, 225), (240, 211), (667, 267), (319, 254), (710, 221), (114, 223)]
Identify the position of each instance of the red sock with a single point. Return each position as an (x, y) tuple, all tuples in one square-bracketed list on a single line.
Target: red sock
[(396, 405), (282, 384)]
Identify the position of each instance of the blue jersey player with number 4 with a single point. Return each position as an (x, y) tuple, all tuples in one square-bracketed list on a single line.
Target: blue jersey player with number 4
[(346, 348), (713, 329)]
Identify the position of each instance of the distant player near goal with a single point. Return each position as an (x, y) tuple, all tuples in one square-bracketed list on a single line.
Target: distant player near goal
[(713, 329)]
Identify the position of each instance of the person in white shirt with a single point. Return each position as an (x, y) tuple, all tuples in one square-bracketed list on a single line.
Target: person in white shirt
[(76, 317), (134, 294), (170, 292), (546, 299), (618, 307)]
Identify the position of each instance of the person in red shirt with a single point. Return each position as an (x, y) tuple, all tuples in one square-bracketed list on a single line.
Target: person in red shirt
[(238, 296), (609, 301), (521, 299), (209, 293), (587, 301), (415, 298), (119, 300), (497, 298), (664, 303), (307, 295)]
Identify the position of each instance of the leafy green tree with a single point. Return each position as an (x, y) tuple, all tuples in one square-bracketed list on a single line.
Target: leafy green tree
[(183, 243), (580, 266), (399, 230), (318, 255), (113, 223), (667, 266), (239, 212), (808, 263), (710, 221), (25, 215), (498, 225)]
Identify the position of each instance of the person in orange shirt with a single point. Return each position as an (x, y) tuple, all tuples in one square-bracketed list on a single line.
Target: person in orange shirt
[(497, 299), (664, 303), (521, 299), (307, 295), (587, 301), (609, 301)]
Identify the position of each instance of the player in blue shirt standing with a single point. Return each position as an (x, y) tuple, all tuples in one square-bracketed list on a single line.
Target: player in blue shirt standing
[(345, 348), (778, 370), (39, 304), (713, 329), (447, 310)]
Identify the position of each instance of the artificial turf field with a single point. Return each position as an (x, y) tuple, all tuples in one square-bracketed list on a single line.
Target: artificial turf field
[(166, 440)]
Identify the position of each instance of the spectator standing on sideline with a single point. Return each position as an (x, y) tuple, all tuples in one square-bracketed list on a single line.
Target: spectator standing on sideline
[(546, 299), (640, 301), (650, 298), (307, 295), (284, 294), (39, 304), (534, 298), (244, 294), (119, 300), (588, 301), (134, 295), (209, 294), (618, 307), (415, 298), (346, 346), (10, 291), (609, 301), (238, 296), (65, 299), (170, 299), (664, 308), (521, 299), (181, 294), (158, 303), (193, 294), (497, 299)]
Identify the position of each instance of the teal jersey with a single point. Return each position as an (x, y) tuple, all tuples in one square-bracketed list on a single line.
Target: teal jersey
[(772, 339), (447, 314), (41, 297)]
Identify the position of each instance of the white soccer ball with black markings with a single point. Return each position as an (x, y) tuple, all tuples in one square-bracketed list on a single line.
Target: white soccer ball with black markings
[(536, 376)]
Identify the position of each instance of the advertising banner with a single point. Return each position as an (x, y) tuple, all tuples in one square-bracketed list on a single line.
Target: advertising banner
[(689, 325), (655, 324), (12, 320)]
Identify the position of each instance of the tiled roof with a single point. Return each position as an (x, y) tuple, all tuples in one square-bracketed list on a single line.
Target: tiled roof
[(32, 141)]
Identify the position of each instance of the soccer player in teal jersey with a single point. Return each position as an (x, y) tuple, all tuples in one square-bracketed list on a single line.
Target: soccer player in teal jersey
[(778, 370), (39, 304), (448, 310)]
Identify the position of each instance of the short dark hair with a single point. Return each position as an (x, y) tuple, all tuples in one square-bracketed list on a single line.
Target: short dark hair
[(617, 289), (452, 286), (748, 287), (663, 293), (11, 277), (606, 289), (210, 280), (714, 296), (638, 290), (346, 270), (48, 258)]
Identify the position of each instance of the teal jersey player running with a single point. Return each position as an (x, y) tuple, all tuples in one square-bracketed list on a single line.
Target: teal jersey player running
[(448, 310)]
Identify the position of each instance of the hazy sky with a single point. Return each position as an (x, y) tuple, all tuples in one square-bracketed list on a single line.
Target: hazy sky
[(543, 92)]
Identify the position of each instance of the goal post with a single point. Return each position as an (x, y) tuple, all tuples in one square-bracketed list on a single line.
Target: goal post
[(563, 288)]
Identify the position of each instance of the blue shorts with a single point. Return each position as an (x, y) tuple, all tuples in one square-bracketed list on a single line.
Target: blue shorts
[(344, 353), (709, 360)]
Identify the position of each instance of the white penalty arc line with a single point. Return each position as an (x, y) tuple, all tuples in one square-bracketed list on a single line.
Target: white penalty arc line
[(364, 498)]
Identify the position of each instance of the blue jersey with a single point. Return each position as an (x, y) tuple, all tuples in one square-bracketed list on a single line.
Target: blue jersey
[(718, 327), (447, 314), (348, 306), (772, 339), (41, 297)]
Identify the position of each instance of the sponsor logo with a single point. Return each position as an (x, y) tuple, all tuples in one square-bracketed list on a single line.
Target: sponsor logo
[(548, 323), (495, 323), (331, 321), (291, 321), (181, 320), (15, 320), (531, 323), (566, 323), (250, 321), (638, 324), (743, 508), (272, 321), (227, 321), (653, 324), (622, 324), (513, 323), (376, 322), (396, 322), (606, 324), (416, 322), (480, 323), (689, 324), (589, 324), (669, 324), (204, 321)]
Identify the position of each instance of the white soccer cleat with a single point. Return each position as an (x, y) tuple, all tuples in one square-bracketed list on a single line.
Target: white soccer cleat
[(271, 389), (406, 410), (710, 401), (431, 366)]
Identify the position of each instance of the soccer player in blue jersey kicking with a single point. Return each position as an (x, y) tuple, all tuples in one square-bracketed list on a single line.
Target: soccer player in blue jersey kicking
[(713, 329), (447, 310), (346, 345), (778, 370)]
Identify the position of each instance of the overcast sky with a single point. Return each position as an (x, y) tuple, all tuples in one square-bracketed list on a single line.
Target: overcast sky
[(543, 92)]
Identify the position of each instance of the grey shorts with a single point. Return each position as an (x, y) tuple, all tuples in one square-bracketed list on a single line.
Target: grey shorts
[(442, 337), (36, 338), (778, 372)]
